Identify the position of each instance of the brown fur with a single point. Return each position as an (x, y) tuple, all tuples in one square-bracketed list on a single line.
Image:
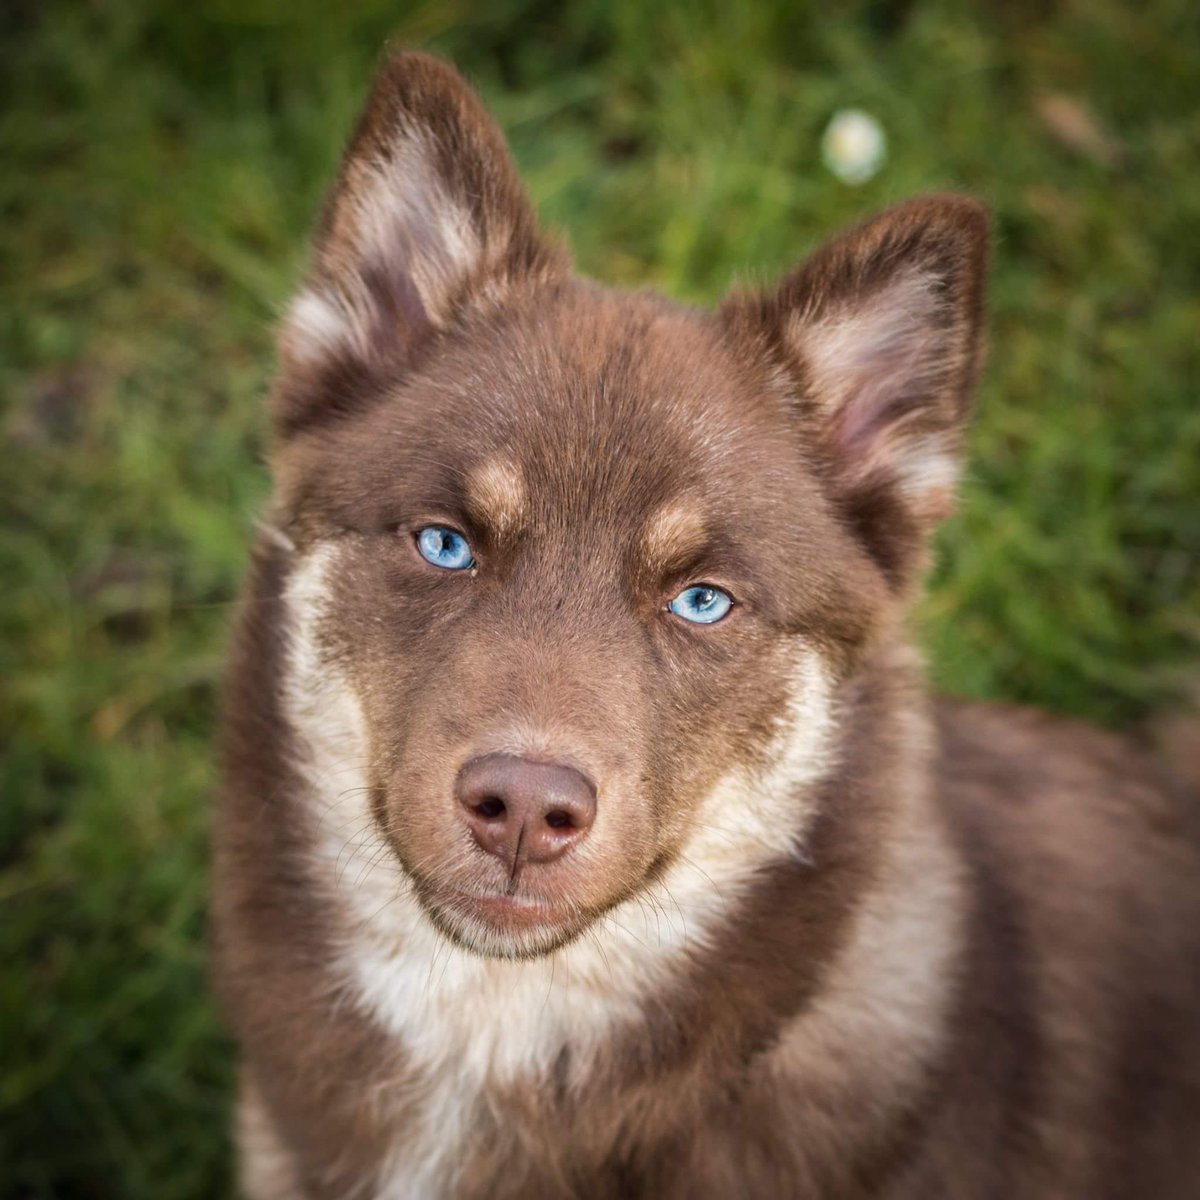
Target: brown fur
[(1037, 1034)]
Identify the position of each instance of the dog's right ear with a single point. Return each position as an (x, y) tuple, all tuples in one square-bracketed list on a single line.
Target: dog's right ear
[(426, 216)]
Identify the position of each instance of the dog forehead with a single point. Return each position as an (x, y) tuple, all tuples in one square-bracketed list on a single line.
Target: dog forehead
[(598, 388), (586, 409)]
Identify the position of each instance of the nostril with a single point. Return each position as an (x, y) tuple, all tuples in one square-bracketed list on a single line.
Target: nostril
[(490, 808), (559, 819)]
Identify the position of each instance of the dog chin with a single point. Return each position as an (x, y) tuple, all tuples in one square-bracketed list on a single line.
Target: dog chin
[(499, 926)]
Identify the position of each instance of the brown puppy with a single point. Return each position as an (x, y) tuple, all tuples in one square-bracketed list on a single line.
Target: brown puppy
[(586, 828)]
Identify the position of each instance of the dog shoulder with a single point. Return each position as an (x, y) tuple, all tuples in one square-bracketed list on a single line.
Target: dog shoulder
[(1082, 860)]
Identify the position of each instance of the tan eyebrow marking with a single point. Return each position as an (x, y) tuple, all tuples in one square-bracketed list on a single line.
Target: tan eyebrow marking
[(674, 534), (496, 495)]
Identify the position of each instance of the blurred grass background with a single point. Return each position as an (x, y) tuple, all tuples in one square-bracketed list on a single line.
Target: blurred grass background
[(161, 164)]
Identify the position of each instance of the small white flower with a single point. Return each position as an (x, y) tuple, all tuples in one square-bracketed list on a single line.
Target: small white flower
[(854, 145)]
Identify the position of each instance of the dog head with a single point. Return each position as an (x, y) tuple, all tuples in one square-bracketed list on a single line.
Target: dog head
[(582, 572)]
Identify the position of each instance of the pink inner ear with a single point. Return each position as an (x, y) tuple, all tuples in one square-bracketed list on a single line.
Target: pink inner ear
[(399, 316), (872, 367), (878, 400)]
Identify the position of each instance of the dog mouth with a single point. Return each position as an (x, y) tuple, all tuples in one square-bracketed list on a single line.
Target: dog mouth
[(515, 920), (507, 911), (500, 924)]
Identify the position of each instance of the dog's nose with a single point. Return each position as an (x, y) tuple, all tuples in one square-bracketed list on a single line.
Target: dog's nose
[(523, 811)]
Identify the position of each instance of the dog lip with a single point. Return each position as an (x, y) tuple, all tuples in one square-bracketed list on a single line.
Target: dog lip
[(500, 910)]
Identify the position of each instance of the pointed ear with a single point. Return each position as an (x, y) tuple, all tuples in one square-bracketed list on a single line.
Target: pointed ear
[(879, 335), (426, 216)]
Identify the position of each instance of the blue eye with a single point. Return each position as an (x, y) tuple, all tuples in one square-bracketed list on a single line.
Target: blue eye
[(444, 548), (701, 604)]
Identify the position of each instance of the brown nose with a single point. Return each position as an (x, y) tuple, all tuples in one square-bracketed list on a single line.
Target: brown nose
[(523, 811)]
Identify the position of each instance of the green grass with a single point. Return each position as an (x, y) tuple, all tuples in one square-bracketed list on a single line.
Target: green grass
[(162, 161)]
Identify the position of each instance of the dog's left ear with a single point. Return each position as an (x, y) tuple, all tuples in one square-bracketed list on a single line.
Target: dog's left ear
[(879, 334)]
